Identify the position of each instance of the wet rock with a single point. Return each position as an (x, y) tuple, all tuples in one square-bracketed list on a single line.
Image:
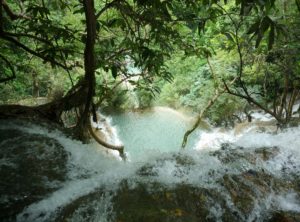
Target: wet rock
[(267, 153), (233, 198), (31, 167), (256, 126), (90, 207), (247, 189), (157, 203), (232, 154), (147, 170), (225, 146), (281, 216)]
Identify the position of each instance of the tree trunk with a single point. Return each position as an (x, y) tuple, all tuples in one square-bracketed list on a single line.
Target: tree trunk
[(89, 66)]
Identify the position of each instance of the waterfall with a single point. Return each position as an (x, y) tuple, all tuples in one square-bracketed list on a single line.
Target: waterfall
[(211, 170)]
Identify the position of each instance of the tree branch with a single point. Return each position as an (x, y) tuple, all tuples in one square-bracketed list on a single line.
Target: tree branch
[(119, 148), (29, 36), (27, 49), (10, 13), (200, 116), (251, 100), (218, 92)]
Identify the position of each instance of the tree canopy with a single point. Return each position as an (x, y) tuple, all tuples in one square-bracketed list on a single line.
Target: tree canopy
[(210, 49)]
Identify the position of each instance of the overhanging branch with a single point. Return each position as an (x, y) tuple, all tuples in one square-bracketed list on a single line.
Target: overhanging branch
[(249, 99), (27, 49), (28, 36)]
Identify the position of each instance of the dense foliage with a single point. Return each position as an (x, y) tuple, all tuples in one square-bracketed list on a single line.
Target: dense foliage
[(138, 53), (259, 47)]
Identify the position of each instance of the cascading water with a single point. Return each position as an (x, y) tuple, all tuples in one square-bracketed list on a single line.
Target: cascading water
[(252, 177)]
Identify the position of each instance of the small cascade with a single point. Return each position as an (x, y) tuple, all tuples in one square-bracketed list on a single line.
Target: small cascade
[(106, 135), (105, 126), (214, 139)]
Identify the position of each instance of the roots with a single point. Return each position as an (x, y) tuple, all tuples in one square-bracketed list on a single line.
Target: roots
[(74, 99)]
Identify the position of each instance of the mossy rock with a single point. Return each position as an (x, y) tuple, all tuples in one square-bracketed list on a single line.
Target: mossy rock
[(85, 208), (281, 216), (267, 153), (229, 154), (157, 203)]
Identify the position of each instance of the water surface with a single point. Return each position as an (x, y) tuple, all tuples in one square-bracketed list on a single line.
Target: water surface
[(159, 129)]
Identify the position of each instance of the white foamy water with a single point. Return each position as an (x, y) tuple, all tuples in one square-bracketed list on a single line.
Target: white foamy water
[(214, 139), (89, 167), (288, 202), (104, 124), (261, 116)]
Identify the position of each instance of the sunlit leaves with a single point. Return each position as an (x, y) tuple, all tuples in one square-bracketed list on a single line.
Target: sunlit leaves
[(37, 10), (229, 36)]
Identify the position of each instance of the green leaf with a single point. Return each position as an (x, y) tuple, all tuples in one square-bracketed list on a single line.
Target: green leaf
[(271, 37), (201, 26), (229, 36), (114, 71), (98, 26), (265, 24), (254, 28), (79, 11), (132, 82), (83, 38), (298, 4), (116, 22), (258, 40), (237, 2), (259, 28)]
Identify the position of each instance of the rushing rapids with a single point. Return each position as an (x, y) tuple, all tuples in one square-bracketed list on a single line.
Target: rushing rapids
[(250, 176)]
